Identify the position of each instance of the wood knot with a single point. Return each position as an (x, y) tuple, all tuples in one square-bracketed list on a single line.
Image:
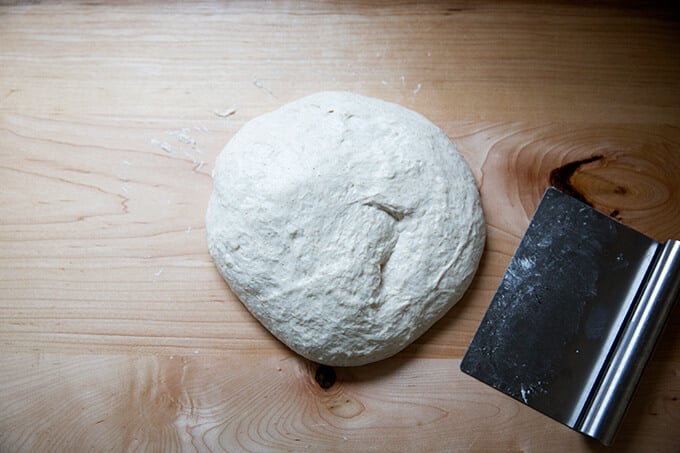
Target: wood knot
[(325, 376), (561, 177)]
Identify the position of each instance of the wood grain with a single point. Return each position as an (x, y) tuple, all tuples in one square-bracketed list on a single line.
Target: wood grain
[(116, 331)]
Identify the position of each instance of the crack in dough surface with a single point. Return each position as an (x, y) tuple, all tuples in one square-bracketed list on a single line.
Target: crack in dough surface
[(345, 224)]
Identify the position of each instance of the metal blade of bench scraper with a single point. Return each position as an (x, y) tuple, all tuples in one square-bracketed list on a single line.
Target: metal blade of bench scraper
[(556, 315)]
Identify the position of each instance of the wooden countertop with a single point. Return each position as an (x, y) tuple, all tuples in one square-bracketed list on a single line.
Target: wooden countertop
[(116, 331)]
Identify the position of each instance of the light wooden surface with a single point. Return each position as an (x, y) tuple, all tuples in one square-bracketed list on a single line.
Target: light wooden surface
[(116, 331)]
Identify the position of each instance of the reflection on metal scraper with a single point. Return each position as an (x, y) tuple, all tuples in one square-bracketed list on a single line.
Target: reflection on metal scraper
[(576, 316)]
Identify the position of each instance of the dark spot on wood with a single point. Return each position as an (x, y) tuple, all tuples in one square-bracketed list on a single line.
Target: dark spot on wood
[(615, 213), (561, 177), (620, 190), (325, 376)]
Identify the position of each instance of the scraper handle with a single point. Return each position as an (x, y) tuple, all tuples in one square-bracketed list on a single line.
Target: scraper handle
[(634, 346)]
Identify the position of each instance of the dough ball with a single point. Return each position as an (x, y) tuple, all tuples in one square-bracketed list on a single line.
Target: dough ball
[(345, 224)]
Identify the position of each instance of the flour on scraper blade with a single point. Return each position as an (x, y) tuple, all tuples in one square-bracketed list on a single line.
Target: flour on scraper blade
[(345, 224)]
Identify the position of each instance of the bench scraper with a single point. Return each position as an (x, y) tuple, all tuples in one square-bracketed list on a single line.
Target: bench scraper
[(576, 316)]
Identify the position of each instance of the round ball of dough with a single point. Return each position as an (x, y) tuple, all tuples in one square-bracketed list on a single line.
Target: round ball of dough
[(345, 224)]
